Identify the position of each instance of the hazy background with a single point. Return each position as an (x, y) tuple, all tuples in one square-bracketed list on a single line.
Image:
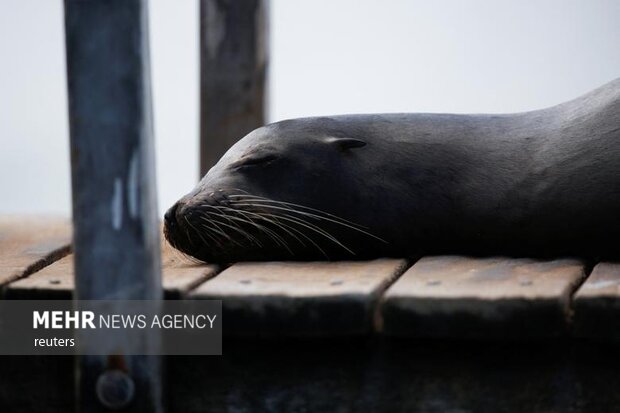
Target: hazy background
[(327, 57)]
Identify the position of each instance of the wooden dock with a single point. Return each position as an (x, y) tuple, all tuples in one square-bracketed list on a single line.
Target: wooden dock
[(356, 333), (432, 297)]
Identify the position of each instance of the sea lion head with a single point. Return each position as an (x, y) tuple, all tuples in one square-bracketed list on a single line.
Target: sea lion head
[(292, 190)]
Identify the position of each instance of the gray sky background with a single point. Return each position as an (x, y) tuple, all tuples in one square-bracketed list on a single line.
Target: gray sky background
[(327, 57)]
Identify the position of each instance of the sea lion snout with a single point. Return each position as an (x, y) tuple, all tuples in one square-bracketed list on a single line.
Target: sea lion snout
[(170, 215)]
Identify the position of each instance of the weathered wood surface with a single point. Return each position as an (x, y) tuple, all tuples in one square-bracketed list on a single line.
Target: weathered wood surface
[(56, 281), (233, 74), (481, 297), (29, 243), (597, 304), (116, 239), (437, 297), (301, 298), (180, 276)]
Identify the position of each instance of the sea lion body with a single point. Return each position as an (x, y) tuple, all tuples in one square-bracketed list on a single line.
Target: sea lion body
[(540, 183)]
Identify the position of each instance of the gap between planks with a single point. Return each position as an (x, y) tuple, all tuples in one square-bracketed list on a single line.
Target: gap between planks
[(30, 243)]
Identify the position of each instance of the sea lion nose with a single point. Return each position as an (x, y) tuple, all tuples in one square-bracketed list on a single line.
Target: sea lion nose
[(170, 217)]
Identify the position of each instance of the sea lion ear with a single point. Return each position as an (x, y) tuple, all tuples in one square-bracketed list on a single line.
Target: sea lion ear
[(345, 143)]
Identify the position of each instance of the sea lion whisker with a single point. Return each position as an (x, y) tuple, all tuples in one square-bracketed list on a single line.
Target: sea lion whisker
[(298, 219), (229, 220), (218, 230), (187, 257), (317, 217), (218, 223), (272, 234), (187, 231), (237, 227), (285, 227), (296, 207), (263, 228), (290, 204), (315, 228), (290, 227), (260, 215), (306, 237), (208, 230), (277, 239), (270, 221), (248, 236), (321, 213), (197, 232), (318, 230)]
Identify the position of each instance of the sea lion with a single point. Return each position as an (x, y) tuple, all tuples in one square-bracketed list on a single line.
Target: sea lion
[(539, 183)]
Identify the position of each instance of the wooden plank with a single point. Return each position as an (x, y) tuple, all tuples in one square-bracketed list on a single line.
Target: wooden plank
[(596, 304), (29, 243), (56, 281), (452, 296), (117, 255), (300, 298), (233, 74), (180, 276)]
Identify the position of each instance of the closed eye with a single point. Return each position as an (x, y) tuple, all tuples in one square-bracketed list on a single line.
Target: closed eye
[(254, 161)]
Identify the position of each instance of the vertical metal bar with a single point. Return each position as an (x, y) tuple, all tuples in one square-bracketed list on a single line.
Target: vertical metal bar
[(116, 232), (233, 73)]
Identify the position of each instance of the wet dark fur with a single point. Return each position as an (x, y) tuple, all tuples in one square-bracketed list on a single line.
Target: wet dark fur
[(540, 183)]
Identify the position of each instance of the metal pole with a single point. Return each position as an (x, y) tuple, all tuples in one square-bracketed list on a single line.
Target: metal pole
[(116, 232), (233, 73)]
